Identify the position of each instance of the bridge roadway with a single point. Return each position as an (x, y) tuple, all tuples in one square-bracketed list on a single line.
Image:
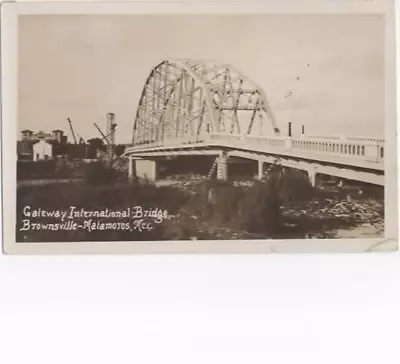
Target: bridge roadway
[(360, 159)]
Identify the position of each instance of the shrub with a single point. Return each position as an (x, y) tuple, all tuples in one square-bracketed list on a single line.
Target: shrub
[(96, 173), (224, 200), (293, 185), (215, 199), (39, 169), (259, 210)]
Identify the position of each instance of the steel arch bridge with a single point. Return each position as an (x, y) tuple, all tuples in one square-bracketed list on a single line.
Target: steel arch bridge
[(197, 107), (191, 98)]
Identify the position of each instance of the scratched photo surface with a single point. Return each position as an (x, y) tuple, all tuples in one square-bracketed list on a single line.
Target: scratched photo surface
[(200, 127)]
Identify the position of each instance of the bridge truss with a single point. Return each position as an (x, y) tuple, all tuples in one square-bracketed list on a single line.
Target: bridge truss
[(190, 99)]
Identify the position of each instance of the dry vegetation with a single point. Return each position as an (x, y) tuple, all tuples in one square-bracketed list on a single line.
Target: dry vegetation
[(283, 205)]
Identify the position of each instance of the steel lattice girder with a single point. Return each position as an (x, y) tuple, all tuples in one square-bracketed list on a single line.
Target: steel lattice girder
[(190, 98)]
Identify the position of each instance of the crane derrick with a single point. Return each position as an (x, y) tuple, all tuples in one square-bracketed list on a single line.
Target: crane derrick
[(109, 137), (72, 130)]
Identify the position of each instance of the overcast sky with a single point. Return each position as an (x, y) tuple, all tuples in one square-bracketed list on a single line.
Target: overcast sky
[(85, 66)]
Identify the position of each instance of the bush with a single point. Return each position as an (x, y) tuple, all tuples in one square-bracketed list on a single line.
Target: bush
[(293, 185), (259, 210), (225, 199), (99, 197), (96, 173), (255, 209), (39, 169)]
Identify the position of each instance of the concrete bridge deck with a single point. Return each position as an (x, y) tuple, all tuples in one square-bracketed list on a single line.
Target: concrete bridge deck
[(351, 158)]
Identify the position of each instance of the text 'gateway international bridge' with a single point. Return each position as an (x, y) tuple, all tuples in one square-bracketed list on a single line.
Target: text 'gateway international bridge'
[(196, 107)]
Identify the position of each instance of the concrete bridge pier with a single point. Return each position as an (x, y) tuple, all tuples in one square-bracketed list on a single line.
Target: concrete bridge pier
[(260, 170), (222, 167), (312, 174), (147, 169), (131, 168), (142, 168)]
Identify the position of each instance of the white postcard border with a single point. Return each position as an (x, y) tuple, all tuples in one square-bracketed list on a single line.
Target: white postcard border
[(9, 54)]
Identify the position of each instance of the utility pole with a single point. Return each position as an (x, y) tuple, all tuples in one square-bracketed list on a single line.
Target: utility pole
[(110, 132)]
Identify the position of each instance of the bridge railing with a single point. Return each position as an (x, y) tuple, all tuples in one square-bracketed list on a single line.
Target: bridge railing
[(269, 142), (330, 137), (352, 148), (344, 148), (173, 142), (249, 140), (225, 137), (367, 139), (344, 138), (371, 150)]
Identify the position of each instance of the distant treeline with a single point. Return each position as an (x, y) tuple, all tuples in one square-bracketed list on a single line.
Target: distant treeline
[(88, 150), (47, 169)]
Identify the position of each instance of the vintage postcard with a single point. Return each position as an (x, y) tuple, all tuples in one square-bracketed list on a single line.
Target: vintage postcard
[(199, 127)]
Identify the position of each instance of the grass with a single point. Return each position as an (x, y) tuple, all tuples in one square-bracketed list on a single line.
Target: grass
[(98, 197), (211, 210)]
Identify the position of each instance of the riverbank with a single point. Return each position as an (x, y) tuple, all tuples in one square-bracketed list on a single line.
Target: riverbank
[(334, 212)]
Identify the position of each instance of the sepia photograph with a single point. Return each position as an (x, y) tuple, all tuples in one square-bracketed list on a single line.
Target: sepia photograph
[(163, 127)]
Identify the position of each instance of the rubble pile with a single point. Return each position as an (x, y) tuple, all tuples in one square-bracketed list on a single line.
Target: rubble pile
[(245, 184), (362, 212), (186, 183), (188, 186), (328, 213), (120, 165)]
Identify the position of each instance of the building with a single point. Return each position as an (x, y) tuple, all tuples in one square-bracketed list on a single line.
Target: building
[(26, 134), (24, 150), (42, 150), (55, 136), (41, 145), (59, 136)]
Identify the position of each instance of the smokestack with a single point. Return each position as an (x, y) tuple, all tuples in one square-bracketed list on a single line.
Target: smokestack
[(290, 129), (302, 130)]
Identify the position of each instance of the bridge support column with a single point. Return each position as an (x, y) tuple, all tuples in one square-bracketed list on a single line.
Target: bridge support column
[(260, 170), (147, 169), (312, 174), (131, 168), (222, 168)]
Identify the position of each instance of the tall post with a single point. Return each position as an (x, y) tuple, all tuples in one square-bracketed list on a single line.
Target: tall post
[(312, 174), (131, 168), (289, 129), (110, 134), (222, 167), (260, 170)]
